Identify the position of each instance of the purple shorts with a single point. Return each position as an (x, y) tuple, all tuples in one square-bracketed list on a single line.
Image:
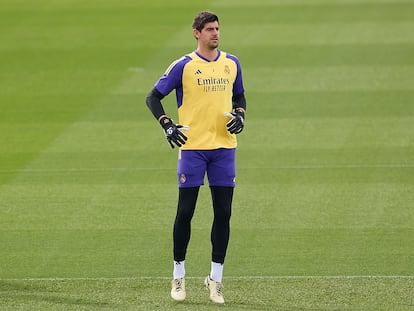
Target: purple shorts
[(219, 164)]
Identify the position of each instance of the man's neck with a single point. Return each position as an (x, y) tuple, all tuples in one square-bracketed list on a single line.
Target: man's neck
[(208, 54)]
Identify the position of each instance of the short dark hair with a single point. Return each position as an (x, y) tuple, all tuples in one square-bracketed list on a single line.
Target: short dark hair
[(203, 18)]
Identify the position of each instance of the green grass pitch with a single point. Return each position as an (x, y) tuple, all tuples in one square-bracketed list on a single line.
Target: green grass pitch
[(323, 213)]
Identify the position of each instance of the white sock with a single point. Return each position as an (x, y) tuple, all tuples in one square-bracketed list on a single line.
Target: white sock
[(216, 272), (179, 269)]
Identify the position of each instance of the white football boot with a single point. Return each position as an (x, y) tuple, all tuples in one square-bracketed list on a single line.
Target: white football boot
[(215, 289), (178, 289)]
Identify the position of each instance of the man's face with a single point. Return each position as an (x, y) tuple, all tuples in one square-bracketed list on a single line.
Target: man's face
[(209, 35)]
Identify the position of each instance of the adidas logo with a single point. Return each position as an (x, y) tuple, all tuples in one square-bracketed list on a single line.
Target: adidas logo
[(198, 72)]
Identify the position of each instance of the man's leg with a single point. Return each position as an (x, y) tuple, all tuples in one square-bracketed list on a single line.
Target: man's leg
[(220, 234), (191, 170), (221, 175), (187, 198)]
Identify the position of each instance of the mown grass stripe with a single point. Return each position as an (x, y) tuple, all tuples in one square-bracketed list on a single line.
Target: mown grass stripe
[(247, 277)]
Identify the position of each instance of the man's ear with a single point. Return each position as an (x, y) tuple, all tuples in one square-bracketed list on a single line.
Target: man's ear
[(196, 34)]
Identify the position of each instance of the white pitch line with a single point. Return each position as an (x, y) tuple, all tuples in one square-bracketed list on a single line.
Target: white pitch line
[(345, 166), (86, 169), (252, 277), (122, 169)]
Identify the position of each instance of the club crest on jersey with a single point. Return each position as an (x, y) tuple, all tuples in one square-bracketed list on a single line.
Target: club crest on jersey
[(227, 69)]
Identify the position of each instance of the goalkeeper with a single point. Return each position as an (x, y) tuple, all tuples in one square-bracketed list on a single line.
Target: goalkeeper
[(211, 106)]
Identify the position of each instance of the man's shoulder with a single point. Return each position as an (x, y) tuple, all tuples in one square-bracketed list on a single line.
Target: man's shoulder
[(231, 56), (178, 64)]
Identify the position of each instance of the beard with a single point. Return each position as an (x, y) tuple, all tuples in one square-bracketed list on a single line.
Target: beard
[(213, 44)]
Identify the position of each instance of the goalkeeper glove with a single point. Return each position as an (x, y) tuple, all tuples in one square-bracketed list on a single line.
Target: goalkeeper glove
[(172, 132), (236, 124)]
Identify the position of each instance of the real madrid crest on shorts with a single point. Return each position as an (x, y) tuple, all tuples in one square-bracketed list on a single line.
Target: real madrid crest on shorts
[(183, 179)]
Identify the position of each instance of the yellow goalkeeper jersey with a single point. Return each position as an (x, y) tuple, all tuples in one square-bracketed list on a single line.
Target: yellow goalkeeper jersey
[(204, 91)]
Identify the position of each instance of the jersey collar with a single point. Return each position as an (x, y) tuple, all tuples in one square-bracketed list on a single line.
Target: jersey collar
[(207, 60)]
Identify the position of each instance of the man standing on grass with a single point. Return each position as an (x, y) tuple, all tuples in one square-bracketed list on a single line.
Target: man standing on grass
[(211, 106)]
